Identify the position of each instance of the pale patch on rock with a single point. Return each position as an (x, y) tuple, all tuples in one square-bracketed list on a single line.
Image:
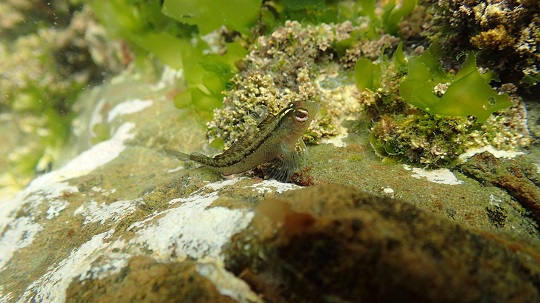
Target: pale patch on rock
[(173, 170), (270, 186), (112, 264), (388, 191), (56, 206), (226, 283), (18, 234), (99, 154), (440, 176), (337, 140), (507, 154), (101, 212), (52, 286), (191, 229), (221, 184)]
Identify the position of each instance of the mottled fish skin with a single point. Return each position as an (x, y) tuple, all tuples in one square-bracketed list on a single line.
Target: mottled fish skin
[(273, 140)]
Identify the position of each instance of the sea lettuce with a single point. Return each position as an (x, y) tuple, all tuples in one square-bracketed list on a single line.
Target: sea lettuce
[(468, 93)]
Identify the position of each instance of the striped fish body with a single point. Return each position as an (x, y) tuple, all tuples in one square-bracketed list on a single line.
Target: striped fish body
[(273, 140)]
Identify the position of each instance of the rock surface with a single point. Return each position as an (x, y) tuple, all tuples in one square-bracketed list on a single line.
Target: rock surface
[(123, 222), (337, 244), (520, 178)]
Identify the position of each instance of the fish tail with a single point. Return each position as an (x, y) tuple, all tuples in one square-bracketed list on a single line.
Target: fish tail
[(180, 155), (198, 157)]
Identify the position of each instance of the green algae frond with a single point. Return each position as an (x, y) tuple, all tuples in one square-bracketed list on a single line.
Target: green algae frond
[(172, 35), (208, 15), (428, 87), (468, 93)]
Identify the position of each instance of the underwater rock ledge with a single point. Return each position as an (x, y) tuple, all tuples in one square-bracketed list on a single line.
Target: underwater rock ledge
[(337, 244)]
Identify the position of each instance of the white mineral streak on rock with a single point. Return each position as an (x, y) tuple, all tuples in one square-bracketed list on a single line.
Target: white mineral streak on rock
[(93, 211), (507, 154), (52, 286), (100, 153), (17, 233), (191, 229), (221, 184), (56, 206)]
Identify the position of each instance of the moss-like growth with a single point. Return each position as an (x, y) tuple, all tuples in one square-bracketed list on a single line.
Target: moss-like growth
[(451, 106), (436, 140)]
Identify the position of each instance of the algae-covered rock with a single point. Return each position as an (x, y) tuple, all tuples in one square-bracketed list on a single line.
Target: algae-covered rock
[(118, 220), (517, 176), (145, 280), (337, 244), (505, 34), (123, 221)]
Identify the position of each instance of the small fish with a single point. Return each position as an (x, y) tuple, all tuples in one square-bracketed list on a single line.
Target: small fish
[(273, 141)]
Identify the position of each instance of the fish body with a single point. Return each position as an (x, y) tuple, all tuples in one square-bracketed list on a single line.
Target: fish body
[(273, 140)]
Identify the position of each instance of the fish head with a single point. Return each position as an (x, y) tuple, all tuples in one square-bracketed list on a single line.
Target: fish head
[(301, 115)]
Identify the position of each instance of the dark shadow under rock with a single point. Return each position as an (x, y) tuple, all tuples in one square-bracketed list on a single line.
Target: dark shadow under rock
[(337, 244)]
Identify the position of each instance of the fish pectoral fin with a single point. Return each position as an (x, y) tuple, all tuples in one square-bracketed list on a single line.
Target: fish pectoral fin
[(302, 151), (178, 154), (282, 168)]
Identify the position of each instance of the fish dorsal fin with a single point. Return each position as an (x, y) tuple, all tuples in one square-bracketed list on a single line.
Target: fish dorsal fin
[(253, 139), (254, 118), (259, 114)]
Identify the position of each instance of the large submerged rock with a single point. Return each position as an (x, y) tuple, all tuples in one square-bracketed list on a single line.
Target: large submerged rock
[(337, 244), (123, 222)]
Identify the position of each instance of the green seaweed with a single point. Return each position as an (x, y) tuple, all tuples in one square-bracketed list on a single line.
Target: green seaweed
[(529, 80), (364, 72), (172, 31), (468, 92), (172, 35), (208, 15), (394, 13)]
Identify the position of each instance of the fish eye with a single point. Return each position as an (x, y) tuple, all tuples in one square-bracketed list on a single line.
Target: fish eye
[(301, 115)]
